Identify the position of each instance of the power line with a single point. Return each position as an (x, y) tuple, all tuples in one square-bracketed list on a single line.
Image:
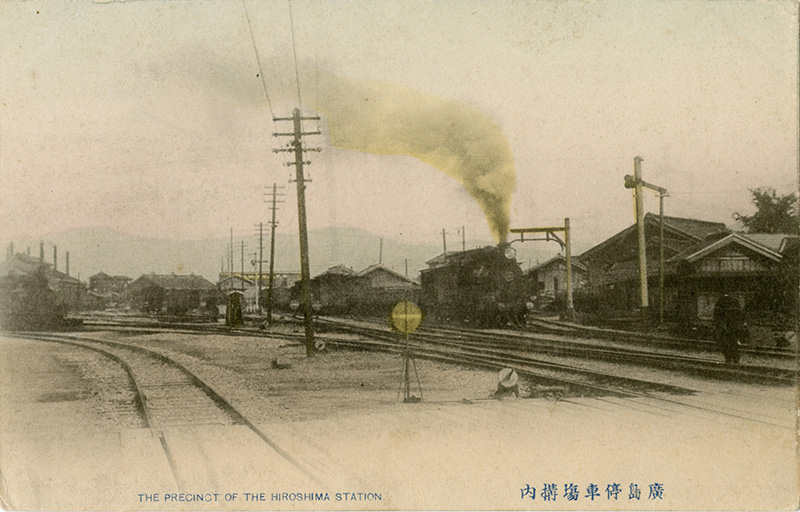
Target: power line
[(260, 70), (294, 50)]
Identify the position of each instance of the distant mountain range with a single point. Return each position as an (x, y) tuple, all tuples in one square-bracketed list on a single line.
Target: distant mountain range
[(92, 250)]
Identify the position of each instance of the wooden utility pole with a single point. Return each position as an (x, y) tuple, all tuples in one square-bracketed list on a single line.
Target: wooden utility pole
[(661, 257), (305, 278), (260, 263), (444, 242), (273, 224), (636, 183), (568, 263), (463, 239), (640, 237)]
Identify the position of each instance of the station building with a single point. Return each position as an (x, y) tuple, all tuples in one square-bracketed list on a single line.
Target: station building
[(702, 260)]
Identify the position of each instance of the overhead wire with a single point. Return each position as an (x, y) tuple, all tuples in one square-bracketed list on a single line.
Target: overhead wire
[(260, 69), (294, 51)]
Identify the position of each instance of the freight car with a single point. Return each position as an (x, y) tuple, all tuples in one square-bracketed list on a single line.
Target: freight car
[(480, 287)]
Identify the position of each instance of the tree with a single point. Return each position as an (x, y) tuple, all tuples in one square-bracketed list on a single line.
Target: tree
[(774, 213)]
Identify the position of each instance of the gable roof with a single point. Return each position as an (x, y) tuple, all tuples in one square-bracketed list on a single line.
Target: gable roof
[(177, 281), (232, 278), (692, 229), (555, 259), (22, 264), (377, 267), (767, 245), (338, 270)]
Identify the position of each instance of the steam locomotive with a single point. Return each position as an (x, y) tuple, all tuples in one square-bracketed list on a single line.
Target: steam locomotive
[(28, 303), (480, 287)]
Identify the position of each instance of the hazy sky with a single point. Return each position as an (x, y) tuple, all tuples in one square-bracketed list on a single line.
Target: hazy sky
[(150, 117)]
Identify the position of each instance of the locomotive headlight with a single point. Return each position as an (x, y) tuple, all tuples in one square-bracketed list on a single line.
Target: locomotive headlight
[(510, 253)]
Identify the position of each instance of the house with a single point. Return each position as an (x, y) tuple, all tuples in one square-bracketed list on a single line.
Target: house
[(759, 270), (103, 283), (379, 287), (548, 281), (106, 291), (173, 293), (332, 291), (341, 290), (234, 282), (70, 292), (612, 278)]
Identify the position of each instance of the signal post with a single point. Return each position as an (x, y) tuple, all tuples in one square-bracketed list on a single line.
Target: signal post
[(550, 235)]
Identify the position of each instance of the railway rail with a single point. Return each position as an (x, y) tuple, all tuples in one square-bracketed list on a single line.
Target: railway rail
[(547, 326), (473, 348), (514, 344), (167, 395), (575, 380)]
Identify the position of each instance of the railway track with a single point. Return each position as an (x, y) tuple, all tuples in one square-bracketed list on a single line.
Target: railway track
[(565, 379), (566, 346), (545, 326), (655, 396), (514, 344), (168, 396)]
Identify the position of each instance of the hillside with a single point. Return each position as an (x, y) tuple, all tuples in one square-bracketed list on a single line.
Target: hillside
[(101, 249)]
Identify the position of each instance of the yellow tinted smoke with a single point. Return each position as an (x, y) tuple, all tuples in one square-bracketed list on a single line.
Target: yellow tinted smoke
[(457, 139)]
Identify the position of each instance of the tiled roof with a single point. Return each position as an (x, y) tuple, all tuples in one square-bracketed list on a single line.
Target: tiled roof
[(554, 259), (338, 270), (376, 267), (178, 282), (693, 230), (22, 264), (699, 229), (773, 241)]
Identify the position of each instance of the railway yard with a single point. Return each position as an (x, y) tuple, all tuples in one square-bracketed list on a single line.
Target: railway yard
[(165, 416)]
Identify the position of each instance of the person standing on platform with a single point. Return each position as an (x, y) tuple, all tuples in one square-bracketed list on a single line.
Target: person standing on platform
[(729, 327)]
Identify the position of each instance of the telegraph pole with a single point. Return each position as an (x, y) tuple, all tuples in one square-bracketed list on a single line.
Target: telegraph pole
[(444, 242), (636, 183), (637, 190), (568, 263), (260, 262), (463, 239), (273, 224), (661, 256), (305, 291)]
